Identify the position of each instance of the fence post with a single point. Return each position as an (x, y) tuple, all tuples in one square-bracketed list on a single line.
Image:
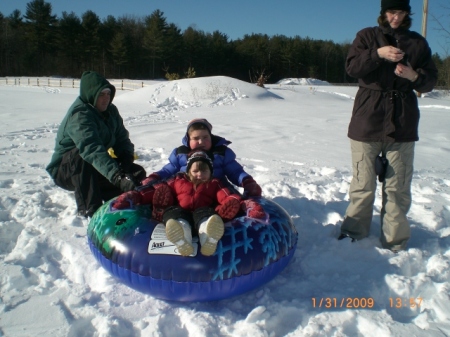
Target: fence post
[(37, 82)]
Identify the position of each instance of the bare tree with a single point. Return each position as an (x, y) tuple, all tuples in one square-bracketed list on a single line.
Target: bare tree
[(259, 77), (445, 31), (444, 64)]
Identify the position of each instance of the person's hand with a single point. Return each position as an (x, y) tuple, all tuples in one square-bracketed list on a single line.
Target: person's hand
[(251, 188), (229, 208), (406, 71), (151, 179), (390, 53), (124, 181), (125, 162), (253, 209), (125, 200)]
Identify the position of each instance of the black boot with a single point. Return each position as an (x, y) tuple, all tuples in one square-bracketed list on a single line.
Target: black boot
[(344, 236)]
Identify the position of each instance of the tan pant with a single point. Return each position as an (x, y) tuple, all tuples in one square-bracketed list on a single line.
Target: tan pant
[(396, 192)]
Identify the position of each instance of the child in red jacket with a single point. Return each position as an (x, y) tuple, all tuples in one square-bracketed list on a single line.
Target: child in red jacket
[(202, 204)]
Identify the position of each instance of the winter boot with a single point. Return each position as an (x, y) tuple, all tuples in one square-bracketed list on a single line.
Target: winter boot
[(210, 232), (179, 233)]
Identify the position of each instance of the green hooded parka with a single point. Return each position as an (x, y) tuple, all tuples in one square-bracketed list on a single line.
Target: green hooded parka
[(91, 131)]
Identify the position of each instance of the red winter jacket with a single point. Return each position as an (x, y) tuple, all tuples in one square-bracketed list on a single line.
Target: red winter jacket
[(208, 194)]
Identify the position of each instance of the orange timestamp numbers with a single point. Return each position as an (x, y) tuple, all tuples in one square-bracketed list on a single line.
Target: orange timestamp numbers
[(345, 302), (399, 302)]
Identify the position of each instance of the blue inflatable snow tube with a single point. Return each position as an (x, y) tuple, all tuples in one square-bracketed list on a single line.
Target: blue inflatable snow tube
[(132, 246)]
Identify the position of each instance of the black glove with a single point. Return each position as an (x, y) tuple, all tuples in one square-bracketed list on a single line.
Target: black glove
[(124, 181), (125, 162)]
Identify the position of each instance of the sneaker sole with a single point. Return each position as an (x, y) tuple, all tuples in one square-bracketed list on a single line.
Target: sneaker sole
[(214, 231), (175, 234)]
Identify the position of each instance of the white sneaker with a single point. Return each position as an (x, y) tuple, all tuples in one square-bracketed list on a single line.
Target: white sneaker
[(179, 233), (210, 232)]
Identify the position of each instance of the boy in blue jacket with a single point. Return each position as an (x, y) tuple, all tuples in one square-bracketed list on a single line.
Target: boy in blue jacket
[(199, 137), (225, 167)]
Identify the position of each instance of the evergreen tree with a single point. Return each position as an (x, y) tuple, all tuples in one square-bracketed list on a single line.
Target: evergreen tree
[(195, 50), (174, 47), (90, 41), (327, 51), (133, 29), (287, 56), (154, 40), (70, 34), (119, 50), (443, 66), (40, 36), (13, 46), (255, 53), (2, 42), (107, 31), (219, 53)]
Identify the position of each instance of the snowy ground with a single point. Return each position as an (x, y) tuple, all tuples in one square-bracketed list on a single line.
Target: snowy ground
[(292, 139)]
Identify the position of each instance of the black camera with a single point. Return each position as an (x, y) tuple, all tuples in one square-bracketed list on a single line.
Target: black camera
[(404, 60)]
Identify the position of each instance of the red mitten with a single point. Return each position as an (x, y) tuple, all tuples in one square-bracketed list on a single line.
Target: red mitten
[(162, 198), (253, 209), (151, 179), (125, 200), (146, 193), (251, 188), (229, 208)]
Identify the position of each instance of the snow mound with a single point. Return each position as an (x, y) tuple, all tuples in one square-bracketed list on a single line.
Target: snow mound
[(302, 81)]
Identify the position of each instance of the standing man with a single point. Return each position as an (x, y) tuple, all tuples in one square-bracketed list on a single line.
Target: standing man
[(90, 135), (390, 62)]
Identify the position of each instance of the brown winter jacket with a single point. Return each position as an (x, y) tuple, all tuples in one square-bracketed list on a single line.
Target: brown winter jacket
[(386, 107)]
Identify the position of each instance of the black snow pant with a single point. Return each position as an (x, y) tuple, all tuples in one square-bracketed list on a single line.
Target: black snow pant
[(91, 187), (194, 218)]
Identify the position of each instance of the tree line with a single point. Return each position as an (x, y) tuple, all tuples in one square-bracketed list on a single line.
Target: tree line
[(39, 43)]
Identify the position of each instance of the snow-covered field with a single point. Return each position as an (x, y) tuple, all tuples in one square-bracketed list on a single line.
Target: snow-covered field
[(292, 139)]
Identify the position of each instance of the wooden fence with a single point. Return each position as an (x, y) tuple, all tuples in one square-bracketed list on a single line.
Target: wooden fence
[(67, 82)]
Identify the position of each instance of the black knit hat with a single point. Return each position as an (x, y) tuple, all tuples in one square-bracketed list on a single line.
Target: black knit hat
[(395, 4), (195, 156)]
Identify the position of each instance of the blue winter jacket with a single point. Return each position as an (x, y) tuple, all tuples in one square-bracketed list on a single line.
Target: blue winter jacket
[(225, 164)]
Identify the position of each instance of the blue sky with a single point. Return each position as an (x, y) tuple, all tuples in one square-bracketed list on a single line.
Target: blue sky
[(336, 20)]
